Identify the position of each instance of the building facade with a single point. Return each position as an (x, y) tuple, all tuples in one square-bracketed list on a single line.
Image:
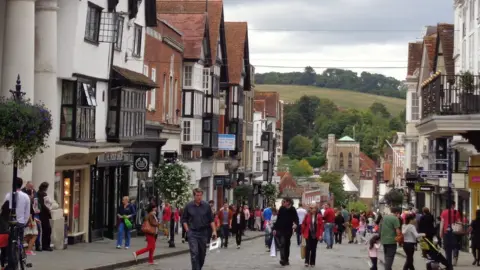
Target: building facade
[(343, 157)]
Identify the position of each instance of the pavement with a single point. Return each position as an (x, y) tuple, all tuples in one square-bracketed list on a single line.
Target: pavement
[(102, 255), (253, 255), (464, 260)]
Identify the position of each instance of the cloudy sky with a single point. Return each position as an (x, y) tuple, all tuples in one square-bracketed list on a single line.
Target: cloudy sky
[(285, 34)]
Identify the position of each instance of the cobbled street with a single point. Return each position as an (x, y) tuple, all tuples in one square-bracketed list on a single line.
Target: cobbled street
[(253, 255)]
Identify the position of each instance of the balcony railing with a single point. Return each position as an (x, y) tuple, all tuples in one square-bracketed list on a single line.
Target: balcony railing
[(451, 95)]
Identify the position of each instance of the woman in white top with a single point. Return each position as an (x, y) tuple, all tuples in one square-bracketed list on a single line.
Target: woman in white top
[(410, 236)]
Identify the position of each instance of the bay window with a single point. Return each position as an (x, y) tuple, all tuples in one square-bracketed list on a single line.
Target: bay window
[(415, 107), (188, 76), (126, 116), (77, 116), (186, 131)]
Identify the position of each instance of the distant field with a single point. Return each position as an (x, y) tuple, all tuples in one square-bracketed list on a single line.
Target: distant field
[(343, 98)]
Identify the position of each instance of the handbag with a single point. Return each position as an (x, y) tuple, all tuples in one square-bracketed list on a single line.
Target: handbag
[(457, 227), (148, 228), (303, 249), (399, 239)]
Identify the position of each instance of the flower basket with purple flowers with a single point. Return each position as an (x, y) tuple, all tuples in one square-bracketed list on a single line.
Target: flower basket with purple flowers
[(24, 128)]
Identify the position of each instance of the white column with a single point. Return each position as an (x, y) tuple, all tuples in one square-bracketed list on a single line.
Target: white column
[(18, 59), (46, 85)]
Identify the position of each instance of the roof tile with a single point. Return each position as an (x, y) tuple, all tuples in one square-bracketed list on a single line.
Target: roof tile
[(415, 51), (193, 28), (271, 99), (430, 43), (446, 39), (214, 9), (236, 36)]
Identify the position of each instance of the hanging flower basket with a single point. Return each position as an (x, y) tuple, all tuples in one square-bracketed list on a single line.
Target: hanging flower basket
[(173, 182), (24, 128), (242, 192)]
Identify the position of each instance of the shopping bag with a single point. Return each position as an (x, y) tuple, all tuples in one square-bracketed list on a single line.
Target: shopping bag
[(303, 249), (214, 244), (273, 249), (128, 224)]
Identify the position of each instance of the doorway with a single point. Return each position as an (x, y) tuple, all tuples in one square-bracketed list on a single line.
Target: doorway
[(109, 185)]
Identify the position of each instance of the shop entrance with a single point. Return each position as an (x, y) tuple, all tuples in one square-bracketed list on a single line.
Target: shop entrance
[(108, 187)]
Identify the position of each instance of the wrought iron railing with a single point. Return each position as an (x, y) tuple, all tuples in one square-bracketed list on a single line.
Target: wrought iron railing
[(451, 95), (85, 123)]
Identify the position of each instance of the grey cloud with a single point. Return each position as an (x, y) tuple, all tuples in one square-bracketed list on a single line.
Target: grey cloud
[(342, 16)]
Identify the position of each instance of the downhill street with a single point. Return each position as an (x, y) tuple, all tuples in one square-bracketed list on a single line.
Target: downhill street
[(253, 255)]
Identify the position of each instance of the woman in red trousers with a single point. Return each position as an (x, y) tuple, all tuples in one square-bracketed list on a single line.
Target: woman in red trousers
[(312, 231), (150, 228)]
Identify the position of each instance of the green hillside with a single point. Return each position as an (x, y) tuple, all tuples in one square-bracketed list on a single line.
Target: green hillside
[(343, 98)]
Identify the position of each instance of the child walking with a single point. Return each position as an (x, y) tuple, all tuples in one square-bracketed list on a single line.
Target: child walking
[(374, 245)]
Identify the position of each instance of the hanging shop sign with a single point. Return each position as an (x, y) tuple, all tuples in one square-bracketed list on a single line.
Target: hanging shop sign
[(422, 187), (141, 162)]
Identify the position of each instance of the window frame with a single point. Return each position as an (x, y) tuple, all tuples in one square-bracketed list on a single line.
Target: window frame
[(128, 113), (94, 36), (415, 107), (187, 136), (119, 36), (137, 41), (350, 160), (341, 161), (83, 105), (188, 75)]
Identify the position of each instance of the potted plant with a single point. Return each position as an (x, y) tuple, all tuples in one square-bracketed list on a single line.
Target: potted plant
[(394, 197), (270, 191), (467, 84)]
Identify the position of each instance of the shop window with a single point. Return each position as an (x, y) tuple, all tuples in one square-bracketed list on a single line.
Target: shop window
[(71, 199)]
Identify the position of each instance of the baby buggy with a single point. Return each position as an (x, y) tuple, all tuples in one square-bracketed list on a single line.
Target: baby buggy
[(434, 257)]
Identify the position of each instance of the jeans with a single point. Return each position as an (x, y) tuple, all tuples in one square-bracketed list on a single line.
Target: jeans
[(284, 238), (374, 261), (329, 234), (150, 248), (389, 251), (38, 241), (311, 250), (268, 243), (123, 231), (197, 241), (225, 230), (409, 249), (298, 231), (238, 237)]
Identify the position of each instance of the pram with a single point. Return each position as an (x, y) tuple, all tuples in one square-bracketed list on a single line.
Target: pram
[(435, 259)]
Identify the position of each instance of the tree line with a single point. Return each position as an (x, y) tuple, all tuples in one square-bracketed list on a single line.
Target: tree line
[(335, 78)]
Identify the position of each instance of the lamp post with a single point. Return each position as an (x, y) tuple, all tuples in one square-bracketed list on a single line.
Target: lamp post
[(17, 95)]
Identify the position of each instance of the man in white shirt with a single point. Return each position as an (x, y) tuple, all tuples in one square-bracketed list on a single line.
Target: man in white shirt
[(22, 208), (301, 213)]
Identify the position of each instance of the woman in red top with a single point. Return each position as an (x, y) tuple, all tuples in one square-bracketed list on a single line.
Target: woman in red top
[(355, 226), (312, 231)]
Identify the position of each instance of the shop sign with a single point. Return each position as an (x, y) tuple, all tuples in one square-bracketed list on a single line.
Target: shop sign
[(219, 181), (419, 187), (141, 162)]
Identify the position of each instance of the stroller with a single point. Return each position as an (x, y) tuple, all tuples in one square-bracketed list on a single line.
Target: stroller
[(435, 259)]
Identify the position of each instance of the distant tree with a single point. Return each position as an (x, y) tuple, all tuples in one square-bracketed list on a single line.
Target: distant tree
[(316, 161), (336, 186), (357, 206), (307, 106), (379, 108), (299, 147), (308, 77), (301, 168), (293, 124), (284, 164)]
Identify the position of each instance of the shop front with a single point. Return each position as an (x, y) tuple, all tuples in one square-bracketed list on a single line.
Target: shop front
[(110, 182)]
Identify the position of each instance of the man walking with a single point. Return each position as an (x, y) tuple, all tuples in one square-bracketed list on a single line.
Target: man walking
[(197, 221), (287, 222), (329, 219), (388, 231), (346, 217), (301, 213), (225, 217)]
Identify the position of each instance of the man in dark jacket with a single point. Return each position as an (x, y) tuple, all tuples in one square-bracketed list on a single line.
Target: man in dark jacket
[(287, 222)]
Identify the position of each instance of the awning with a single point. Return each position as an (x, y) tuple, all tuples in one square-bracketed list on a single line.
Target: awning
[(123, 76), (78, 153), (348, 185), (149, 143)]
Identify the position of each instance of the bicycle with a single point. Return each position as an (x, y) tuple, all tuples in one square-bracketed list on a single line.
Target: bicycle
[(18, 255)]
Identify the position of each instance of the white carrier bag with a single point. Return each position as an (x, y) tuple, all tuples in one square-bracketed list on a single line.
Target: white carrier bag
[(273, 249)]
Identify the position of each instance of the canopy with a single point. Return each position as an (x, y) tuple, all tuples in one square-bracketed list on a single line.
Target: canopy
[(348, 185)]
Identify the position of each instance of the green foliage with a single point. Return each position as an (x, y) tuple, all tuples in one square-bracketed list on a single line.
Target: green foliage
[(379, 108), (173, 182), (394, 197), (301, 168), (317, 160), (242, 192), (336, 186), (357, 206), (271, 193), (377, 84), (285, 163), (299, 147), (25, 127)]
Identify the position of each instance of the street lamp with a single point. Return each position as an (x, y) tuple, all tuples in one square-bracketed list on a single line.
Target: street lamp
[(17, 95), (171, 157), (449, 243)]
